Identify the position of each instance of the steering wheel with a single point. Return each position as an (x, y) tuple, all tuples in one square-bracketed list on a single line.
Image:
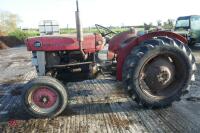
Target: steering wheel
[(104, 31)]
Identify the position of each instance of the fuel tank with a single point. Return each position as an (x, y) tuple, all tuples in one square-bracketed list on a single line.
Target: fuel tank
[(118, 41)]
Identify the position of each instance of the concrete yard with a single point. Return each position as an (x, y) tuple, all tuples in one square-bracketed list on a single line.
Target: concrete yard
[(98, 105)]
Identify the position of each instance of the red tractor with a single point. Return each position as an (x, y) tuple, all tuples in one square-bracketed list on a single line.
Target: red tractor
[(155, 68)]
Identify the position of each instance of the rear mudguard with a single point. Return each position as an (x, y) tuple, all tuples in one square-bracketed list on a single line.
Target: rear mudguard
[(125, 49)]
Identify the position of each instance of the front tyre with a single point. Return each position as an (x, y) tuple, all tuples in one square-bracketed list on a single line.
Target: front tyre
[(44, 97), (158, 71)]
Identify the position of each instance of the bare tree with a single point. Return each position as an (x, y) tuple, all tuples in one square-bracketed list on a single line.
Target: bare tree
[(147, 26), (159, 23), (169, 24), (8, 22)]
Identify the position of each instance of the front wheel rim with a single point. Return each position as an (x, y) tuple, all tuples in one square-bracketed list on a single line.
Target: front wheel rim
[(43, 99)]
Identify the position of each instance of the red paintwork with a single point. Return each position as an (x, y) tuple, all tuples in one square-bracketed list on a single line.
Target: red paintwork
[(123, 51), (62, 43), (44, 92), (118, 39), (12, 123)]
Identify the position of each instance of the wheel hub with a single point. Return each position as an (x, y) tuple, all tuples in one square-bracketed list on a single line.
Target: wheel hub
[(44, 97), (164, 75), (159, 74)]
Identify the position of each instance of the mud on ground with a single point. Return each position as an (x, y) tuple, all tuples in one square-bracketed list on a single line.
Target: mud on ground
[(98, 105), (9, 42)]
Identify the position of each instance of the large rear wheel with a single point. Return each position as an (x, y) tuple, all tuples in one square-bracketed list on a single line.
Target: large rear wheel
[(45, 97), (158, 71)]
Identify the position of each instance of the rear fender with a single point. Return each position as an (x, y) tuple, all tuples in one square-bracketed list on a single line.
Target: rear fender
[(124, 51)]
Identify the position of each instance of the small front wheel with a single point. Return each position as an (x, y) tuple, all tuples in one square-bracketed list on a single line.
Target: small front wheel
[(44, 97)]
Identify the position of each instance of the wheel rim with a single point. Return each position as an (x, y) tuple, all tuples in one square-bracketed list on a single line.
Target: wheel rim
[(162, 75), (43, 99)]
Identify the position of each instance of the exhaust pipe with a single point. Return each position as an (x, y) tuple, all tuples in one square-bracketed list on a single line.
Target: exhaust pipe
[(79, 31)]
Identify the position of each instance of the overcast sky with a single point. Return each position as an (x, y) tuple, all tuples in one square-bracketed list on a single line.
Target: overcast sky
[(105, 12)]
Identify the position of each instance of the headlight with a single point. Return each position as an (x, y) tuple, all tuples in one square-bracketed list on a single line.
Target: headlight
[(37, 44)]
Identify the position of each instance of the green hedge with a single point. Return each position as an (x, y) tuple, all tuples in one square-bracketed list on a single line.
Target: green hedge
[(87, 30), (22, 35)]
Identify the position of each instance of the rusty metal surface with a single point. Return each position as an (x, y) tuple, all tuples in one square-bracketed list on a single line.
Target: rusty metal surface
[(98, 105)]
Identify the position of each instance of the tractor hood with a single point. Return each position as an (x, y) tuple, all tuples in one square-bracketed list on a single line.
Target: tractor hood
[(62, 43), (49, 43), (192, 34), (183, 33)]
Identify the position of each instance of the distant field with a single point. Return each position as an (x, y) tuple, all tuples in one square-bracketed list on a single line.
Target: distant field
[(35, 32), (93, 30), (86, 30)]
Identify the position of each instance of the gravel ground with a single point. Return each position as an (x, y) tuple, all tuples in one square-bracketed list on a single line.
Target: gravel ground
[(98, 105)]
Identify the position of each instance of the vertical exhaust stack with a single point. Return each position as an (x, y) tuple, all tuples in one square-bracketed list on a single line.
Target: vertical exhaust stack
[(79, 30)]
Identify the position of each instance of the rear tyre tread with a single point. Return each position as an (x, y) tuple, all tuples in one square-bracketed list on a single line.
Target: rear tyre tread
[(144, 48)]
